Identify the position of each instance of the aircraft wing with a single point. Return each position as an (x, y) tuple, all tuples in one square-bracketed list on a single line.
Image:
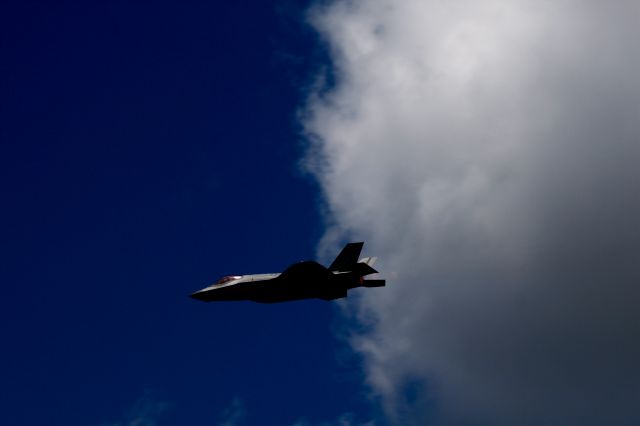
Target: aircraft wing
[(308, 270)]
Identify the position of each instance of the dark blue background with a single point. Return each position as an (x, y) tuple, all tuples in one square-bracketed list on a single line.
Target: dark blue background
[(146, 149)]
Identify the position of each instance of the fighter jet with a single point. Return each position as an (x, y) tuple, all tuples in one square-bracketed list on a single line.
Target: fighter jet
[(303, 280)]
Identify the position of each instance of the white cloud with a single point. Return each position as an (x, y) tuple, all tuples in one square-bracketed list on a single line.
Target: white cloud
[(233, 415), (146, 411), (346, 419), (488, 152)]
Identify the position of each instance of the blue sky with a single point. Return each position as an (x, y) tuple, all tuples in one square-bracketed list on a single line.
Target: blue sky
[(146, 149)]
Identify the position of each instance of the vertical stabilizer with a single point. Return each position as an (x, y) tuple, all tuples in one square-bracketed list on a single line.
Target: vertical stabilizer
[(347, 258), (368, 260)]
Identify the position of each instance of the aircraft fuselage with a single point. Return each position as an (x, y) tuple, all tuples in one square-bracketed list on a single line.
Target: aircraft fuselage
[(304, 280)]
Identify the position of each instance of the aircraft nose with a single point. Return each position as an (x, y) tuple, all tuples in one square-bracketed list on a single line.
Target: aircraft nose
[(198, 295)]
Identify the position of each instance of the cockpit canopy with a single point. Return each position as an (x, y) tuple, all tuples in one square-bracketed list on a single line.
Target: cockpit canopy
[(228, 278)]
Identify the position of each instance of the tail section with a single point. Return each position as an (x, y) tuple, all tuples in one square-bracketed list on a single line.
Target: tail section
[(368, 260), (361, 269), (354, 270), (347, 258)]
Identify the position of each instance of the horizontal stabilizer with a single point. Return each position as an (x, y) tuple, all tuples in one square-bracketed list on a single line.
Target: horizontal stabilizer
[(362, 269), (347, 258), (373, 283)]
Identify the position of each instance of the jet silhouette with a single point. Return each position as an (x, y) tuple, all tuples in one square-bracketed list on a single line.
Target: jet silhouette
[(303, 280)]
